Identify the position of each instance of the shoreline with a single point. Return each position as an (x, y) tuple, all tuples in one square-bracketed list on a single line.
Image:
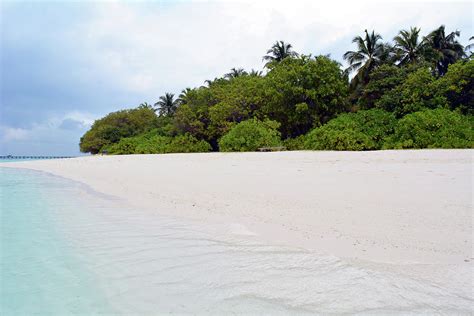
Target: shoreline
[(400, 207)]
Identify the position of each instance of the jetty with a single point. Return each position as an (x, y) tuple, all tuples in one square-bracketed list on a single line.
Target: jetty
[(34, 157)]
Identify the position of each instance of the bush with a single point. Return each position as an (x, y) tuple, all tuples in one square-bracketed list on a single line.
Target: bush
[(126, 146), (151, 143), (250, 135), (187, 144), (364, 130), (296, 143), (155, 144), (439, 128), (330, 139)]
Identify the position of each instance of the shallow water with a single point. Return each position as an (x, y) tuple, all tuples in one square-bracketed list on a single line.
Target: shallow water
[(39, 271), (68, 250)]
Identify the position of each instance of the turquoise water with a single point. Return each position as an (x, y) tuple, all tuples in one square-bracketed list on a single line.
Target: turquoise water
[(66, 249), (39, 273)]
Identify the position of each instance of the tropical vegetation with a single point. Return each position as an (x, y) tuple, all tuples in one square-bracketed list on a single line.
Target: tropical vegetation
[(416, 91)]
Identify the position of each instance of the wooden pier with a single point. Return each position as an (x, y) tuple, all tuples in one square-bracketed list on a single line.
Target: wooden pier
[(35, 157)]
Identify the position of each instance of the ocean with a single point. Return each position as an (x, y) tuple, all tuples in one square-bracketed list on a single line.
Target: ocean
[(67, 250)]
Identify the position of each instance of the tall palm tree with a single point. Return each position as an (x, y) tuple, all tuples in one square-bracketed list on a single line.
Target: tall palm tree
[(408, 46), (369, 54), (445, 49), (279, 51), (167, 105), (235, 72)]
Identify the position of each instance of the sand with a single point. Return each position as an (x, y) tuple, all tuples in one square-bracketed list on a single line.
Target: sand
[(395, 207)]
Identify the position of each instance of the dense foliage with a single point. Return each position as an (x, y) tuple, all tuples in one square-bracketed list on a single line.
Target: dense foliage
[(439, 128), (364, 130), (392, 95), (117, 125), (153, 143), (304, 92), (250, 135)]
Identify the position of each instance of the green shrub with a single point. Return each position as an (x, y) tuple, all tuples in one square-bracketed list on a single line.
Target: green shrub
[(439, 128), (187, 144), (126, 146), (250, 135), (155, 144), (329, 139), (151, 143), (364, 130), (296, 143)]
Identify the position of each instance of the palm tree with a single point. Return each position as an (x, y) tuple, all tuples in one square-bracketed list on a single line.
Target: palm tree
[(369, 54), (210, 82), (234, 73), (183, 96), (145, 105), (167, 105), (279, 51), (444, 49), (470, 46), (408, 47), (255, 73)]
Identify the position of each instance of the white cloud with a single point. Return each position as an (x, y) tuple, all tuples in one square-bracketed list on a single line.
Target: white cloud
[(13, 134)]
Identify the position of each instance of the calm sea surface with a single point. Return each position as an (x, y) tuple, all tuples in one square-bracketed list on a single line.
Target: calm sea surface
[(39, 271), (68, 250)]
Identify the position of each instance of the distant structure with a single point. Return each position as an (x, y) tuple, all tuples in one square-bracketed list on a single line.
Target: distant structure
[(34, 157)]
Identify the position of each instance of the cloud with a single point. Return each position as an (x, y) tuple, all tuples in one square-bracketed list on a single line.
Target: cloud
[(12, 134), (54, 136)]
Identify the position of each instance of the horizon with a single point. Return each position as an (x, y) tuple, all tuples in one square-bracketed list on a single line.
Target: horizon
[(101, 57)]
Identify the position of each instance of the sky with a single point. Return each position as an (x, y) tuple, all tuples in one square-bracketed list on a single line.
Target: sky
[(64, 64)]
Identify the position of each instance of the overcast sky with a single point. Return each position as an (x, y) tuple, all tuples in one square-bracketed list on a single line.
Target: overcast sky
[(65, 64)]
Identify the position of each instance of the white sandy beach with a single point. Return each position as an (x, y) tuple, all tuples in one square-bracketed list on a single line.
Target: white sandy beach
[(386, 206), (399, 214)]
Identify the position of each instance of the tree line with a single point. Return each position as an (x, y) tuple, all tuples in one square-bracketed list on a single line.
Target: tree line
[(415, 92)]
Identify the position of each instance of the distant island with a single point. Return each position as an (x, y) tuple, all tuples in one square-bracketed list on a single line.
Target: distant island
[(415, 92)]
